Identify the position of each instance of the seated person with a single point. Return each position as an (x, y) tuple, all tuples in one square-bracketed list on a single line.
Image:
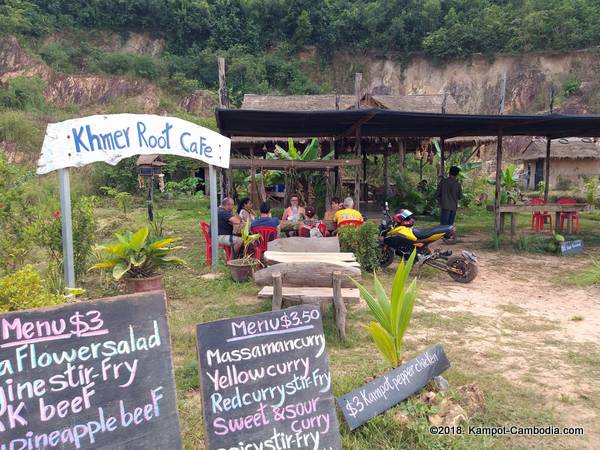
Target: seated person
[(347, 213), (245, 211), (311, 223), (334, 206), (294, 212), (226, 221), (265, 219)]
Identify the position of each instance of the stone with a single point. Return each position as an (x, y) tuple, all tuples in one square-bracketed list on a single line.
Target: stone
[(427, 397), (440, 383), (402, 418), (449, 414), (471, 398)]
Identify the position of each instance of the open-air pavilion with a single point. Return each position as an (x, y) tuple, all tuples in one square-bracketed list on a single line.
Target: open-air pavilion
[(383, 123)]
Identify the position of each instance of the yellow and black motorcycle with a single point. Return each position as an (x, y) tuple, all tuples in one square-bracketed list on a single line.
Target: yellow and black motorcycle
[(399, 237)]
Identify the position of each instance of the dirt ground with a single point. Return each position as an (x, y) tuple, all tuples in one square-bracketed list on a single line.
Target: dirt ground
[(519, 321)]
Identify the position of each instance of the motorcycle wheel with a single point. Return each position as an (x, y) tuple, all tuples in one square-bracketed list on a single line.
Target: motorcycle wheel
[(386, 256), (468, 269)]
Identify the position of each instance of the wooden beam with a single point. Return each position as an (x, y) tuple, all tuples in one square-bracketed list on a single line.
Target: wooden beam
[(245, 163), (498, 187), (353, 129), (223, 98), (442, 157), (357, 144), (386, 173), (547, 171)]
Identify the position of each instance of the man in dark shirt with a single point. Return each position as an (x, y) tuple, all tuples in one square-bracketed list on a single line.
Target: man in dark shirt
[(265, 219), (226, 221), (449, 192)]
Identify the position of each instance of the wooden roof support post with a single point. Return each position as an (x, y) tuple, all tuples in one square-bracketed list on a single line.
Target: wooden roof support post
[(386, 172), (226, 189), (547, 169), (442, 158), (357, 144), (498, 187), (402, 153)]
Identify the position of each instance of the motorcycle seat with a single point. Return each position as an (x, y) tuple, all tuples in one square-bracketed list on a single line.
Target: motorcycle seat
[(424, 234)]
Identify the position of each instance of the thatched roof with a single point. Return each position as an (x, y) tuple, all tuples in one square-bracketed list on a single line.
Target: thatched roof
[(414, 103), (566, 148), (150, 160)]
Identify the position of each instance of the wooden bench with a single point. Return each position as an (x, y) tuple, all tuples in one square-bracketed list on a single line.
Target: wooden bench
[(324, 283)]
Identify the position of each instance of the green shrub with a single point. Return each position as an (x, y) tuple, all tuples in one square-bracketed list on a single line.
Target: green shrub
[(59, 56), (24, 93), (571, 86), (18, 127), (363, 242), (23, 289)]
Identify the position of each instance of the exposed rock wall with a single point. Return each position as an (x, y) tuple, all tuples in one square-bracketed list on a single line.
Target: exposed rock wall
[(475, 84)]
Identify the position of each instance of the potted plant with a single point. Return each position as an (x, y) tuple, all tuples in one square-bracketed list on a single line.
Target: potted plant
[(136, 258), (243, 268)]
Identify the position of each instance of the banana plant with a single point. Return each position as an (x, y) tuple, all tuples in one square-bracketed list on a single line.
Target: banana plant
[(392, 314), (248, 239), (136, 256)]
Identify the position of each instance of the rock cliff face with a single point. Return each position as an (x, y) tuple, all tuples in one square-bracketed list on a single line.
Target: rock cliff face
[(82, 90), (476, 84)]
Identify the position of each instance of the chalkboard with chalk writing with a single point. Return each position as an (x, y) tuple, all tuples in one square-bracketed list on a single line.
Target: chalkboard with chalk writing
[(571, 247), (88, 375), (266, 382), (392, 387)]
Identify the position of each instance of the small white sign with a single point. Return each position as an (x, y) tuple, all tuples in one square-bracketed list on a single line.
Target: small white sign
[(113, 137)]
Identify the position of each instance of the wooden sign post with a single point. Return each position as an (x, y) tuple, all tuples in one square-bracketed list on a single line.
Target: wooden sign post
[(364, 403), (266, 382), (88, 375)]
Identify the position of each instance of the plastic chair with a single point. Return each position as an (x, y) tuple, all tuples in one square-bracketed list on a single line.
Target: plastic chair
[(539, 218), (266, 234), (206, 230), (572, 216), (305, 231)]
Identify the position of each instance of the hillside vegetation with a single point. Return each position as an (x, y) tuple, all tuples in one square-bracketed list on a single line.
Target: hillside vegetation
[(259, 36)]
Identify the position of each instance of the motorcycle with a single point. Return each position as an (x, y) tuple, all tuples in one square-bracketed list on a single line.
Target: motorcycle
[(398, 237)]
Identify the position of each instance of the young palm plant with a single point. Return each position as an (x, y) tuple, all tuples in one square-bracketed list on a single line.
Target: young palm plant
[(392, 314)]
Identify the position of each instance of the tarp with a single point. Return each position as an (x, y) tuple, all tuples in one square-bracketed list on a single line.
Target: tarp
[(386, 123), (113, 137)]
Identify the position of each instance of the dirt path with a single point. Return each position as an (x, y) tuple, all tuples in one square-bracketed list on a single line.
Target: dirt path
[(520, 322)]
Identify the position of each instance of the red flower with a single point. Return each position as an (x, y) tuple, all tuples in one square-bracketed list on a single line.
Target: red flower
[(56, 214)]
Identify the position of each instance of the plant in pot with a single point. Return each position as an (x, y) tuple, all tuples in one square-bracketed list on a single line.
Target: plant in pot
[(136, 258), (243, 268)]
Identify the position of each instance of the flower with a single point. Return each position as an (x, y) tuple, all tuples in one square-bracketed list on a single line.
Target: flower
[(56, 214)]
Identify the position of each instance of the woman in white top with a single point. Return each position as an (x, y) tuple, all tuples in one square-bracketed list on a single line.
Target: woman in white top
[(245, 211)]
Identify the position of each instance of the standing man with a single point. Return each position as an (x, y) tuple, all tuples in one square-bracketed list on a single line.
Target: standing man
[(449, 192), (226, 222)]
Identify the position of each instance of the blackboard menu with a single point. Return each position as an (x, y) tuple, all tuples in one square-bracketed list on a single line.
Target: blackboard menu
[(88, 375), (392, 387), (266, 382)]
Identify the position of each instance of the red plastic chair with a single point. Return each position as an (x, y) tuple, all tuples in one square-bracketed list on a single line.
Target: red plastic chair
[(266, 234), (206, 230), (565, 217), (539, 218), (305, 231)]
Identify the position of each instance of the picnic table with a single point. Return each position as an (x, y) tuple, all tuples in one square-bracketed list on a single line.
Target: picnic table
[(556, 208), (289, 225)]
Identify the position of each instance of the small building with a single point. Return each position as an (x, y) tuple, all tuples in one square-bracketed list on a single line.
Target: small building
[(571, 160)]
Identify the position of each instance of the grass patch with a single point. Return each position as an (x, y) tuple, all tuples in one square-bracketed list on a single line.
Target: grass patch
[(512, 308)]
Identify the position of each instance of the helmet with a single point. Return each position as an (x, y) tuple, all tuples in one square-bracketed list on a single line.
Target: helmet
[(404, 217)]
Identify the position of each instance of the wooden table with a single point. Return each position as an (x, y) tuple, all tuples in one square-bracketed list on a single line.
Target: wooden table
[(556, 208), (288, 225)]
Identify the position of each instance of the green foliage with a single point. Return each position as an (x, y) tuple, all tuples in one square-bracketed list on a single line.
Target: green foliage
[(122, 199), (24, 289), (17, 215), (22, 16), (591, 190), (248, 239), (509, 182), (571, 87), (393, 313), (123, 177), (186, 187), (363, 242), (62, 56), (137, 255), (23, 93), (48, 234), (18, 127)]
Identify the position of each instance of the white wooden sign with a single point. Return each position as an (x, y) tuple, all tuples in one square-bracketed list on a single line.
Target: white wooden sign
[(113, 137)]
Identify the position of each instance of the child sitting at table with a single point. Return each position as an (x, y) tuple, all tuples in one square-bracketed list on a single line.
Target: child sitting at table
[(311, 224), (265, 219)]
